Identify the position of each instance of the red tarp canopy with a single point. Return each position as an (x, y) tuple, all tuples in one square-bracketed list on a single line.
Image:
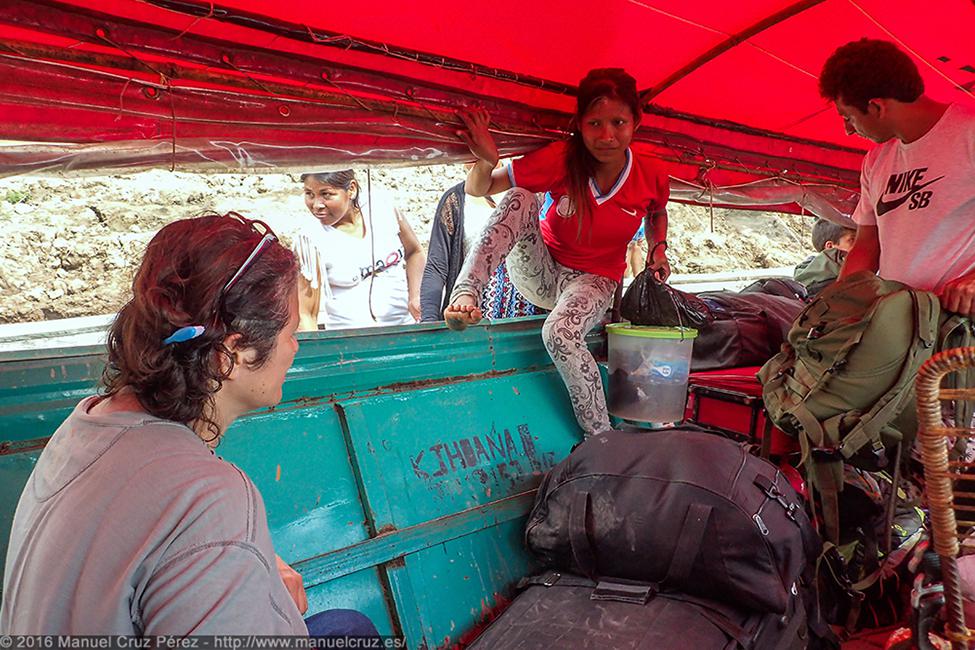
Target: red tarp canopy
[(251, 84)]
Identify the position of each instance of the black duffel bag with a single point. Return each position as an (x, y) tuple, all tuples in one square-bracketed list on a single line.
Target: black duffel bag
[(681, 508), (571, 613), (748, 329), (785, 287)]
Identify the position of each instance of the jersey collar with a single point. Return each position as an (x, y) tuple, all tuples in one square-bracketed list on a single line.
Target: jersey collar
[(602, 198)]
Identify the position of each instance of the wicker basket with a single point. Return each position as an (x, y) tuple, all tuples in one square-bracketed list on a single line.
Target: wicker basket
[(947, 479)]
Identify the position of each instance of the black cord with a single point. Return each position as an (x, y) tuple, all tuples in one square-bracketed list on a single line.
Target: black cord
[(372, 240)]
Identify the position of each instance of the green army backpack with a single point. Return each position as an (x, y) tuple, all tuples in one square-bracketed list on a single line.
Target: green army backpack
[(843, 383)]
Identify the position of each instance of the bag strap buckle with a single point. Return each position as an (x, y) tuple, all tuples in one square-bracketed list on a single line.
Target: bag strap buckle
[(880, 452), (771, 490), (790, 509), (547, 579), (625, 592), (826, 454), (551, 578)]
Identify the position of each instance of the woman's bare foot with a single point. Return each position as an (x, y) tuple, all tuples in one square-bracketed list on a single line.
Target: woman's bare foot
[(461, 313)]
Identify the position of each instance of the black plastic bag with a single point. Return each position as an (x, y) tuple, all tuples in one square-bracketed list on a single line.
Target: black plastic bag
[(649, 302)]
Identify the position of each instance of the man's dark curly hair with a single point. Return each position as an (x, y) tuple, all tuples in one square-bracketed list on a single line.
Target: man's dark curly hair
[(869, 69)]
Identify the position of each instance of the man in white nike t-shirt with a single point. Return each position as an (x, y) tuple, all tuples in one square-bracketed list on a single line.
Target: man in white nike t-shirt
[(916, 215)]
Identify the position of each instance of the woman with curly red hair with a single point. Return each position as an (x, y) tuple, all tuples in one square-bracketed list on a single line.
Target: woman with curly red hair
[(129, 524)]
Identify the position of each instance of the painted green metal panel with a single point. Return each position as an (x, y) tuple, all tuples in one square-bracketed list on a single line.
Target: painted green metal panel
[(14, 470), (465, 579), (298, 459), (363, 591), (396, 472), (430, 452), (38, 391)]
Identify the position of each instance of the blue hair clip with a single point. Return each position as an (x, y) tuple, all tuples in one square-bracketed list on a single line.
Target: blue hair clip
[(184, 334)]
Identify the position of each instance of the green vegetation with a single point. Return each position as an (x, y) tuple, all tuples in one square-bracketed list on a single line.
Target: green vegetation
[(15, 196)]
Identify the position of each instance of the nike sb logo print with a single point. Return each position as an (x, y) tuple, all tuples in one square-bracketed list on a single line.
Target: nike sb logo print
[(632, 213), (910, 186)]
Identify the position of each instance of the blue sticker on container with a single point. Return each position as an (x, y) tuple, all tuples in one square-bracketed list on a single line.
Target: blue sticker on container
[(673, 371), (662, 370)]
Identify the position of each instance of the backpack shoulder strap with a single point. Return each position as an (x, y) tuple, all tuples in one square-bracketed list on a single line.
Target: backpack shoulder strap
[(709, 610), (867, 430)]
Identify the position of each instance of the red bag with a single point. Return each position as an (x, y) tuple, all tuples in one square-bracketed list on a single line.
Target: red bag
[(730, 400)]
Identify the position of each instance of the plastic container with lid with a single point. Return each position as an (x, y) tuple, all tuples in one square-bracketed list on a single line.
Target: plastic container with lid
[(648, 369)]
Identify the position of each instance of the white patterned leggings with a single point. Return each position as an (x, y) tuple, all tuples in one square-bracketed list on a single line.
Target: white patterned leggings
[(577, 299)]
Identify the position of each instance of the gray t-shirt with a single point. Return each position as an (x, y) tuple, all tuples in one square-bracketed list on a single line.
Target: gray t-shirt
[(921, 198), (130, 525)]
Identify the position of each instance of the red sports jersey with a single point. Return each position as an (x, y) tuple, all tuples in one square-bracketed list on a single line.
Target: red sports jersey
[(600, 248)]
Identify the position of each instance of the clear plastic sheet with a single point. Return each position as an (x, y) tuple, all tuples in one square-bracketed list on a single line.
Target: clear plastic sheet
[(830, 202), (128, 85)]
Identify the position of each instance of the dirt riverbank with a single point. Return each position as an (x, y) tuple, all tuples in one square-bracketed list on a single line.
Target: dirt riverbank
[(72, 244)]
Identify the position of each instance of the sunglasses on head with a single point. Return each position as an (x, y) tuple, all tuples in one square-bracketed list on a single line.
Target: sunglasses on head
[(268, 238)]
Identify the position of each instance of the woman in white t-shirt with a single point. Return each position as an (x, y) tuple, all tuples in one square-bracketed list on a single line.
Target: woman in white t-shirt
[(360, 268)]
